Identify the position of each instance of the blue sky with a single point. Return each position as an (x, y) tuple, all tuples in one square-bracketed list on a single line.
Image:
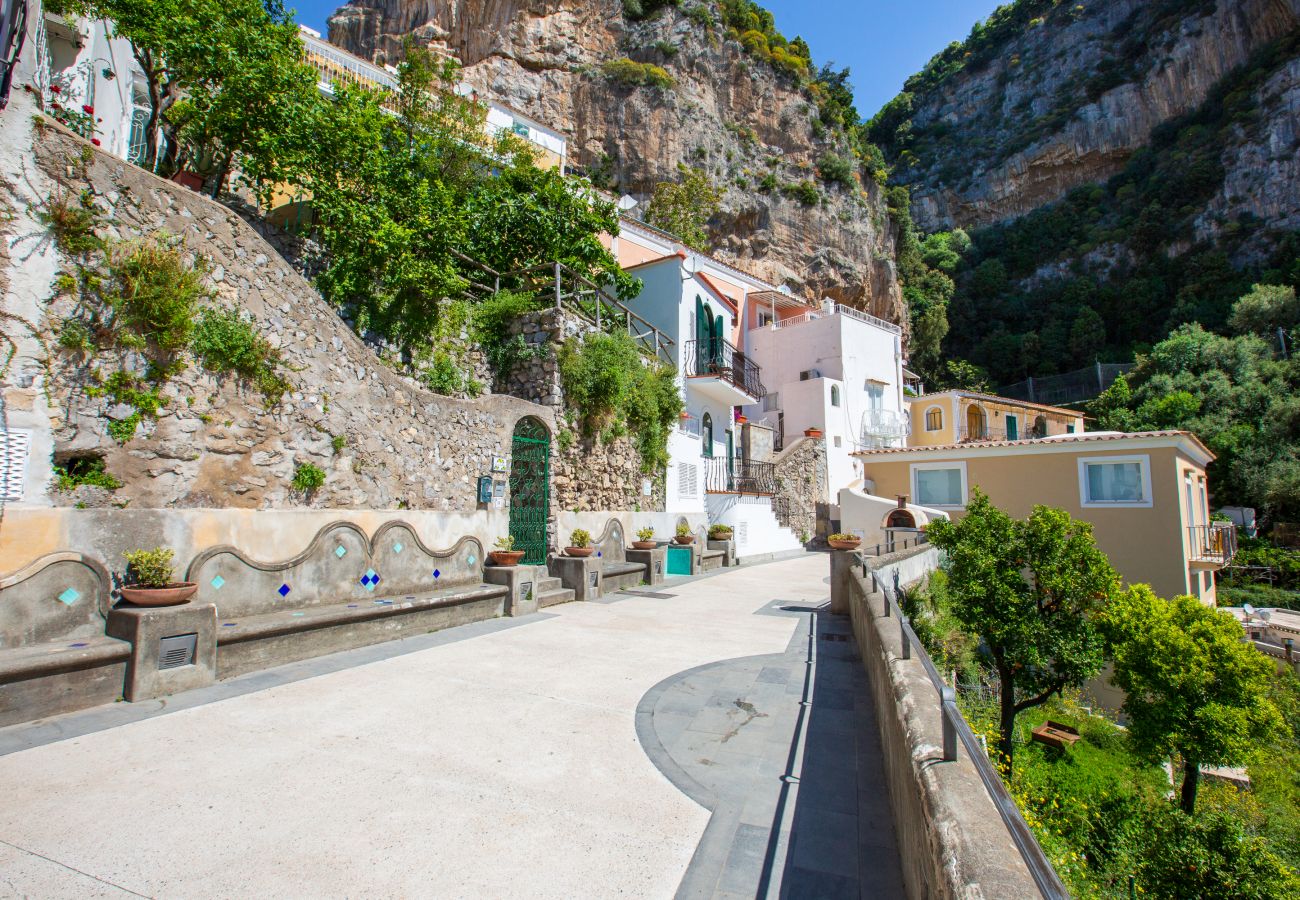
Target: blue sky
[(882, 41)]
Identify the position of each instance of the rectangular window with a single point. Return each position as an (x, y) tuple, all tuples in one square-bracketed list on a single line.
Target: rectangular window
[(839, 442), (875, 395), (939, 484), (1069, 429), (934, 419), (1115, 481), (687, 481)]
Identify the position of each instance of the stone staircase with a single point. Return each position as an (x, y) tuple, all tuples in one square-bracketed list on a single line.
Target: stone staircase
[(549, 591)]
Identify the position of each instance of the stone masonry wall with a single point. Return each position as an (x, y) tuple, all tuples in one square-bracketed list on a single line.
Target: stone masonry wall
[(800, 485), (213, 444)]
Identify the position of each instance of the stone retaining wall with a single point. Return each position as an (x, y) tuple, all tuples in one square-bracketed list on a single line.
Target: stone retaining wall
[(955, 841), (800, 485)]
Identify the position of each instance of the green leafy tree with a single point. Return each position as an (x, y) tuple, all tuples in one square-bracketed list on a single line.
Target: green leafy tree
[(1265, 310), (684, 207), (1029, 590), (1211, 857), (1195, 688)]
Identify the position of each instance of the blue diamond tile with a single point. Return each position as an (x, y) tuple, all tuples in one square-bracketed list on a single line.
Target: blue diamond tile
[(69, 597), (472, 559), (340, 551), (370, 580), (397, 548), (284, 590), (217, 582), (599, 554), (436, 573)]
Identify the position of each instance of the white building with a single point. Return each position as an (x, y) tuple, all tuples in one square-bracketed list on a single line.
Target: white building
[(836, 370), (708, 469)]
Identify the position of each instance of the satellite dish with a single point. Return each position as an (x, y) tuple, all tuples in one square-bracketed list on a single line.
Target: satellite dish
[(690, 265), (626, 202), (1248, 609), (1266, 615), (785, 289)]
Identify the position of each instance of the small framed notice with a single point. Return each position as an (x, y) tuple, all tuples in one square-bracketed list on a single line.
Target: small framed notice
[(498, 464)]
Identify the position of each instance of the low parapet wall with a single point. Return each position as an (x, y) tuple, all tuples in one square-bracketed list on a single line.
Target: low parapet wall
[(956, 843)]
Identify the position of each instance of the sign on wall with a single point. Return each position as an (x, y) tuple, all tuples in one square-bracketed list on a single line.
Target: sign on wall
[(498, 464), (15, 445)]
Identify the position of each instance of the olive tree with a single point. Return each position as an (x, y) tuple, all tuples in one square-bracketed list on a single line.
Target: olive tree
[(1029, 590), (1195, 688)]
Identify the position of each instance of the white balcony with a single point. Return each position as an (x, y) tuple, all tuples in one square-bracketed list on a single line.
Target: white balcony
[(882, 426)]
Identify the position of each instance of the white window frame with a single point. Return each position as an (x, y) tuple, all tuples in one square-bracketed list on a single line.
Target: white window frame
[(926, 418), (1142, 458), (916, 494)]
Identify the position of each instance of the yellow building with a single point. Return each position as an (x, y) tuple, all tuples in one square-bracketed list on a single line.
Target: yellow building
[(952, 417), (1145, 495)]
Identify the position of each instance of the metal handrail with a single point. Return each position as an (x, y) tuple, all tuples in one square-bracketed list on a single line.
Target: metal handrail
[(956, 728), (738, 475), (896, 545), (832, 310), (1213, 543), (721, 358)]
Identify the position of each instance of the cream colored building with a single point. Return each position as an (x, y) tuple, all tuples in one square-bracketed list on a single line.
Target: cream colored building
[(952, 417), (1145, 495)]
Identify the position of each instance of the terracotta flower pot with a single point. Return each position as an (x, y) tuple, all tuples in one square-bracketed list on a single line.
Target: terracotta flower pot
[(812, 432), (846, 545), (190, 180), (644, 545), (684, 539), (174, 594), (741, 420), (505, 557), (579, 552)]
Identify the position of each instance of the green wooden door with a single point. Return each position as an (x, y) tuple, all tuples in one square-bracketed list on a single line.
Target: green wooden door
[(679, 561), (1013, 429), (530, 463)]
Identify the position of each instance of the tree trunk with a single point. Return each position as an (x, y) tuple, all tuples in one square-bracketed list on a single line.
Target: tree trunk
[(1191, 779), (1007, 719)]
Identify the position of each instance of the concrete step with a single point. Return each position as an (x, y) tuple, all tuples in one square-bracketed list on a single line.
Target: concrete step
[(546, 584), (554, 597)]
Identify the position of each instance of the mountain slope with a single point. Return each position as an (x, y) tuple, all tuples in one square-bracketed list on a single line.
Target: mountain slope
[(751, 126)]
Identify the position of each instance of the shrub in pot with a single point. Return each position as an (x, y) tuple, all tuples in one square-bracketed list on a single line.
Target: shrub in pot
[(843, 541), (720, 532), (684, 535), (645, 539), (579, 544), (149, 579), (505, 553)]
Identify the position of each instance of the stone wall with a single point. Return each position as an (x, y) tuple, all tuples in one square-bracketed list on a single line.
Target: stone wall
[(801, 485), (214, 444), (957, 844)]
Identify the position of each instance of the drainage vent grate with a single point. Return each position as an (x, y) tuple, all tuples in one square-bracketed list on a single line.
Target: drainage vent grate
[(177, 651), (835, 637)]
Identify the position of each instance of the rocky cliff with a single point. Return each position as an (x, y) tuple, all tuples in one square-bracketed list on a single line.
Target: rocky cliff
[(1051, 95), (750, 126)]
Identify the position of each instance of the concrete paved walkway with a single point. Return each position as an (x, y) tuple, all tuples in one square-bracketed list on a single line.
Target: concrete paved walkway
[(495, 760)]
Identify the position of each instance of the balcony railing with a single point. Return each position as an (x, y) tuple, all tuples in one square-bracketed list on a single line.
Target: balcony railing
[(739, 476), (1215, 543), (720, 358), (884, 425)]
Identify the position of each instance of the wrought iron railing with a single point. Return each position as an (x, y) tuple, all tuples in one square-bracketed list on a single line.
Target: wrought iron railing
[(721, 358), (1213, 543), (832, 310), (957, 730), (884, 424), (895, 544), (967, 434), (739, 476)]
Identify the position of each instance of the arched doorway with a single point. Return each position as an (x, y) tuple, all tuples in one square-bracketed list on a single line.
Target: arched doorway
[(530, 493), (976, 423), (901, 518)]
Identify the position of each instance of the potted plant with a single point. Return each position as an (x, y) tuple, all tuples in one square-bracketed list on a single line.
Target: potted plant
[(843, 541), (741, 418), (149, 579), (684, 535), (505, 553), (812, 432), (579, 544), (720, 532), (645, 539)]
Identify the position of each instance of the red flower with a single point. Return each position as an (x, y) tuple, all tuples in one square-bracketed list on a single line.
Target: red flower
[(88, 110), (54, 89), (95, 141)]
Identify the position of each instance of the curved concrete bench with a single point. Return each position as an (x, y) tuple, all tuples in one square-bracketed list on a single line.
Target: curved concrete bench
[(345, 590), (54, 654), (617, 572)]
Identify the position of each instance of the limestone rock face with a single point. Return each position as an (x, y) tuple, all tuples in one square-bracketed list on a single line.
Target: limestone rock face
[(729, 113), (1067, 100)]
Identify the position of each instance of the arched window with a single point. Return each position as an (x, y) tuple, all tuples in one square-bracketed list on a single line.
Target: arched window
[(706, 435), (934, 419), (835, 395)]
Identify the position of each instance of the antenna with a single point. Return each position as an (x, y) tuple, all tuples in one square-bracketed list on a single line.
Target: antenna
[(690, 265)]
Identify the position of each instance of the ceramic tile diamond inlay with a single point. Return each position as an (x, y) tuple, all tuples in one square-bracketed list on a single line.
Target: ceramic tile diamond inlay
[(472, 559), (340, 551), (436, 574), (397, 548), (284, 590), (216, 582), (69, 597), (370, 580)]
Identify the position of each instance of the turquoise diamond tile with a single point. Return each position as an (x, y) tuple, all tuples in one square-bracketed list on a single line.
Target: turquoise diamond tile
[(217, 582), (340, 551), (397, 548), (69, 597), (472, 559)]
